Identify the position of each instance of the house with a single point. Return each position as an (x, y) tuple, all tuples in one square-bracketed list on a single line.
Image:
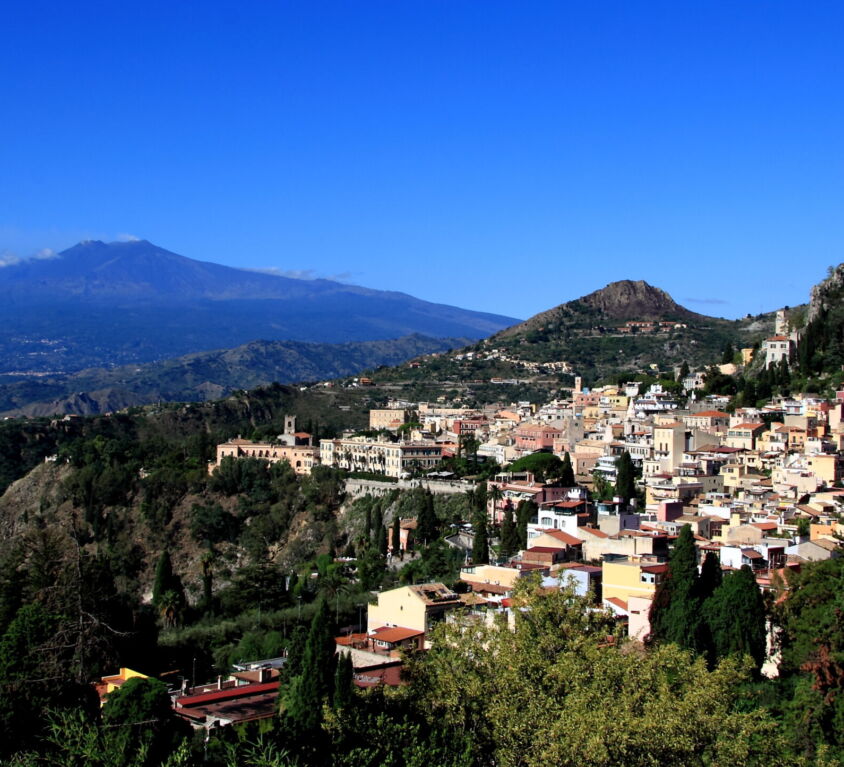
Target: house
[(108, 684), (246, 696), (624, 577), (491, 581), (777, 348), (412, 607)]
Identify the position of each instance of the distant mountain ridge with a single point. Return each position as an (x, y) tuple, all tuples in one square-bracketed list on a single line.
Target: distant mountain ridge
[(98, 304), (208, 375)]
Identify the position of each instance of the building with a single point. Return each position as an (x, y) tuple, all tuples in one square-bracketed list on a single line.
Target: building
[(392, 459), (776, 348), (625, 578), (292, 446), (412, 607)]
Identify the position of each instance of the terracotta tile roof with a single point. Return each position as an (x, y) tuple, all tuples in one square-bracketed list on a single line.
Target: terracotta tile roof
[(594, 531), (393, 634), (619, 603), (563, 537)]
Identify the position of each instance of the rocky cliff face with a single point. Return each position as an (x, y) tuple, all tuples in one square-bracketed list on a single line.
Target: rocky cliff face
[(627, 299), (827, 294)]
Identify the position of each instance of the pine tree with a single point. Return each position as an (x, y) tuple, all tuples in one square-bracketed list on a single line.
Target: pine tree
[(735, 615), (675, 612), (396, 537), (567, 472)]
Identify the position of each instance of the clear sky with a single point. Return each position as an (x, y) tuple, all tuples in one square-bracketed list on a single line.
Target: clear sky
[(501, 156)]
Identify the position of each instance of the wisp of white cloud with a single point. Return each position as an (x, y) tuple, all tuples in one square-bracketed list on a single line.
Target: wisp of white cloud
[(124, 237), (44, 254), (7, 258)]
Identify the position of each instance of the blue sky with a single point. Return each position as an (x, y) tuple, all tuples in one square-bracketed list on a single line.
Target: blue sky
[(502, 156)]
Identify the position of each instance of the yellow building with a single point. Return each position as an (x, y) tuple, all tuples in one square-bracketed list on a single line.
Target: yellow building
[(108, 684), (414, 607), (624, 578), (490, 578)]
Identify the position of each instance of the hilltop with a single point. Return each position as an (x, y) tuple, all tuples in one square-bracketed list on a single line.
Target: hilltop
[(626, 327)]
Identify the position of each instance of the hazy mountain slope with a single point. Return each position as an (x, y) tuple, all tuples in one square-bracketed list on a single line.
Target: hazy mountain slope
[(208, 375)]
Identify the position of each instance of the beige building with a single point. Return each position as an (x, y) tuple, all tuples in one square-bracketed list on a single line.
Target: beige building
[(413, 607), (388, 418), (392, 459), (301, 457)]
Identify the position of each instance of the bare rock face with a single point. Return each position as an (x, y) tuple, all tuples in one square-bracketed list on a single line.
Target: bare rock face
[(826, 294), (627, 299)]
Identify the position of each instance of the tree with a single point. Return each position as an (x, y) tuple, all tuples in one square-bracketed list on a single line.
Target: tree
[(735, 616), (625, 483), (540, 465), (567, 472), (684, 372), (675, 612), (396, 537), (381, 539), (344, 682), (426, 520), (509, 535), (310, 689), (480, 542), (525, 511), (143, 705), (167, 581), (710, 575), (663, 706)]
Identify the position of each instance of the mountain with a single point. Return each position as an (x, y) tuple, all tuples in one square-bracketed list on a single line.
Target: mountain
[(208, 375), (590, 337), (99, 304), (618, 302)]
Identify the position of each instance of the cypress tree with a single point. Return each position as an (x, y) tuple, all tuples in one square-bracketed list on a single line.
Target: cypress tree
[(525, 511), (344, 682), (480, 543), (167, 581), (735, 615), (625, 482), (426, 520), (396, 541), (710, 576), (381, 539), (567, 472), (309, 690), (675, 612), (509, 534)]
